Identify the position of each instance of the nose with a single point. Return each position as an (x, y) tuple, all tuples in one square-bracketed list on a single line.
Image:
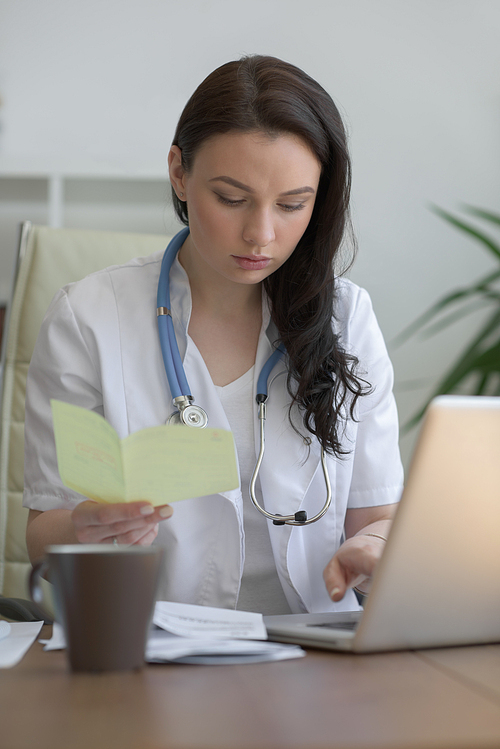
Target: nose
[(259, 228)]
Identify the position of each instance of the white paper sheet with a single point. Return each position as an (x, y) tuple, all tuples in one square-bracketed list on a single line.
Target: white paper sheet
[(5, 629), (188, 620), (22, 635), (165, 647), (57, 641)]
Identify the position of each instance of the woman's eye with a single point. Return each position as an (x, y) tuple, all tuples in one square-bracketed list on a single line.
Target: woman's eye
[(226, 201), (233, 203), (297, 207)]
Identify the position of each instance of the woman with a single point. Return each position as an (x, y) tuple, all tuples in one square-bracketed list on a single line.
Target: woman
[(261, 175)]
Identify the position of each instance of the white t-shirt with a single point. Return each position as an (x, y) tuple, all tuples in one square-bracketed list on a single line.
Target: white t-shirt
[(260, 586)]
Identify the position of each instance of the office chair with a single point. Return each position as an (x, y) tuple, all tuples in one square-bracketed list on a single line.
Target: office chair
[(47, 259)]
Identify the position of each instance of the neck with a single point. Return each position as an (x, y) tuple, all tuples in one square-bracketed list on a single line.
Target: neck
[(218, 296), (226, 318)]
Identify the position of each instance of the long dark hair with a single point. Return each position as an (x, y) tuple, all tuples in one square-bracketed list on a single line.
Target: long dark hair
[(265, 94)]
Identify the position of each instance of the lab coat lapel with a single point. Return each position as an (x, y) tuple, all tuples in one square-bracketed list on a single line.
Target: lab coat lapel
[(198, 376)]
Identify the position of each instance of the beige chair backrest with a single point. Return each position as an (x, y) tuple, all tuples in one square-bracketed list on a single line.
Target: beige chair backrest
[(48, 259)]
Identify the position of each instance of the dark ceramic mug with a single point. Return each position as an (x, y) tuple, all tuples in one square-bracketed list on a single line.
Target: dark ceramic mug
[(104, 598)]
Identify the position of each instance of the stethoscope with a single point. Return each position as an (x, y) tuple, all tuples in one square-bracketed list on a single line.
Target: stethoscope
[(191, 415)]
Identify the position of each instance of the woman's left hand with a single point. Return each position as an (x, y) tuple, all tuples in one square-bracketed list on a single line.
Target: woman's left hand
[(353, 565)]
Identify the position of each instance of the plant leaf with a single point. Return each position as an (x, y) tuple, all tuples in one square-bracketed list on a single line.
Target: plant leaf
[(453, 317), (473, 359), (490, 244), (468, 360), (481, 388), (482, 356), (489, 360), (481, 213), (454, 297)]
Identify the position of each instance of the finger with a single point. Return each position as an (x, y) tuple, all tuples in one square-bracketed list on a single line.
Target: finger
[(88, 529), (129, 530), (141, 512), (96, 513), (95, 534), (131, 537), (352, 565), (126, 526), (148, 539), (335, 580), (164, 512), (93, 513), (138, 537), (338, 578)]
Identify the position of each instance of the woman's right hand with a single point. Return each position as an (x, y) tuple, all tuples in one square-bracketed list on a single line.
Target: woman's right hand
[(127, 522)]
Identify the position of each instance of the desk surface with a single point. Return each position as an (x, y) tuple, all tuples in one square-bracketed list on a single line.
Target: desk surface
[(442, 699)]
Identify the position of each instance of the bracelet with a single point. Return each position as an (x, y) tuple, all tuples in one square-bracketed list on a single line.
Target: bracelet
[(361, 592), (375, 535)]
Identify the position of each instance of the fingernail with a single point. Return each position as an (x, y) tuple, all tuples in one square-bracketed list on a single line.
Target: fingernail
[(165, 512), (334, 592), (147, 510)]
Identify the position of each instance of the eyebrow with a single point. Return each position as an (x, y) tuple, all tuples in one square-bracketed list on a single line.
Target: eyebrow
[(246, 188)]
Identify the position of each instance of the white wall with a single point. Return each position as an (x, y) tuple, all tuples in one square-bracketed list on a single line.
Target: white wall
[(99, 86)]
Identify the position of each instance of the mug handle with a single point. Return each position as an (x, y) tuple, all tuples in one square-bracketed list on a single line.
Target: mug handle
[(35, 587)]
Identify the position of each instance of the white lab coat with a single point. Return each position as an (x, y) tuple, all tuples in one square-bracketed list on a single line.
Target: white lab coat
[(98, 348)]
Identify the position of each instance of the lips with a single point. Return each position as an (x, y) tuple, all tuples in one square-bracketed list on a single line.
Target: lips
[(252, 262)]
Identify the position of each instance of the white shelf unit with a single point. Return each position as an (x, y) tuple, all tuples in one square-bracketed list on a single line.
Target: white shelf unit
[(57, 182), (86, 198)]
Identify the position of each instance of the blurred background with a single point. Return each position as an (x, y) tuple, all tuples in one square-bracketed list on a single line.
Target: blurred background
[(91, 92)]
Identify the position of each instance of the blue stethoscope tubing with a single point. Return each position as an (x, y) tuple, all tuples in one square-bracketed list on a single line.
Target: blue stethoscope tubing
[(194, 416), (169, 348)]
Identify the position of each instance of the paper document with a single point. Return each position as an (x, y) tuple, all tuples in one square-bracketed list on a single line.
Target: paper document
[(5, 629), (165, 647), (19, 639), (203, 635), (188, 620), (162, 464), (57, 641)]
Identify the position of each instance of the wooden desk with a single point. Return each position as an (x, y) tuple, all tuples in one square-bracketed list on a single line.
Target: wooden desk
[(446, 699)]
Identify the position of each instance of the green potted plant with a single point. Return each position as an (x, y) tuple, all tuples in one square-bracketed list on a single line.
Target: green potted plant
[(477, 369)]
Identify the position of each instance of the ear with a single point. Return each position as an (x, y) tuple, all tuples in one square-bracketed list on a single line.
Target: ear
[(176, 172)]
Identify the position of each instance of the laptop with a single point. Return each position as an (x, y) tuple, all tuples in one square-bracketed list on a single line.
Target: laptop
[(438, 581)]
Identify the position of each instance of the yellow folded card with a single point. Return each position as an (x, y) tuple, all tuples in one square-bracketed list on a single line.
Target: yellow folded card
[(162, 464)]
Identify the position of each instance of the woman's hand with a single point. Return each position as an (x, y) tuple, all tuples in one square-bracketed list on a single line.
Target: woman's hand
[(356, 559), (353, 565), (129, 523)]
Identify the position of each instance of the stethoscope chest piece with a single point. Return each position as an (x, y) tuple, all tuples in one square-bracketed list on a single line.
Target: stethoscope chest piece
[(188, 414), (191, 416)]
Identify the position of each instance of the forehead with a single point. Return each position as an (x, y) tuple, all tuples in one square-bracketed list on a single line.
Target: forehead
[(257, 156)]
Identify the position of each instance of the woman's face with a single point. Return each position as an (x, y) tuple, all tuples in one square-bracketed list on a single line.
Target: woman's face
[(249, 198)]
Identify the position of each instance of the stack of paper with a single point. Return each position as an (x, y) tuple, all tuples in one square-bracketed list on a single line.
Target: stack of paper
[(200, 634), (183, 633)]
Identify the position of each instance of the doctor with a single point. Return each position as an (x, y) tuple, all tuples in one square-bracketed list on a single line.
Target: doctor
[(260, 174)]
